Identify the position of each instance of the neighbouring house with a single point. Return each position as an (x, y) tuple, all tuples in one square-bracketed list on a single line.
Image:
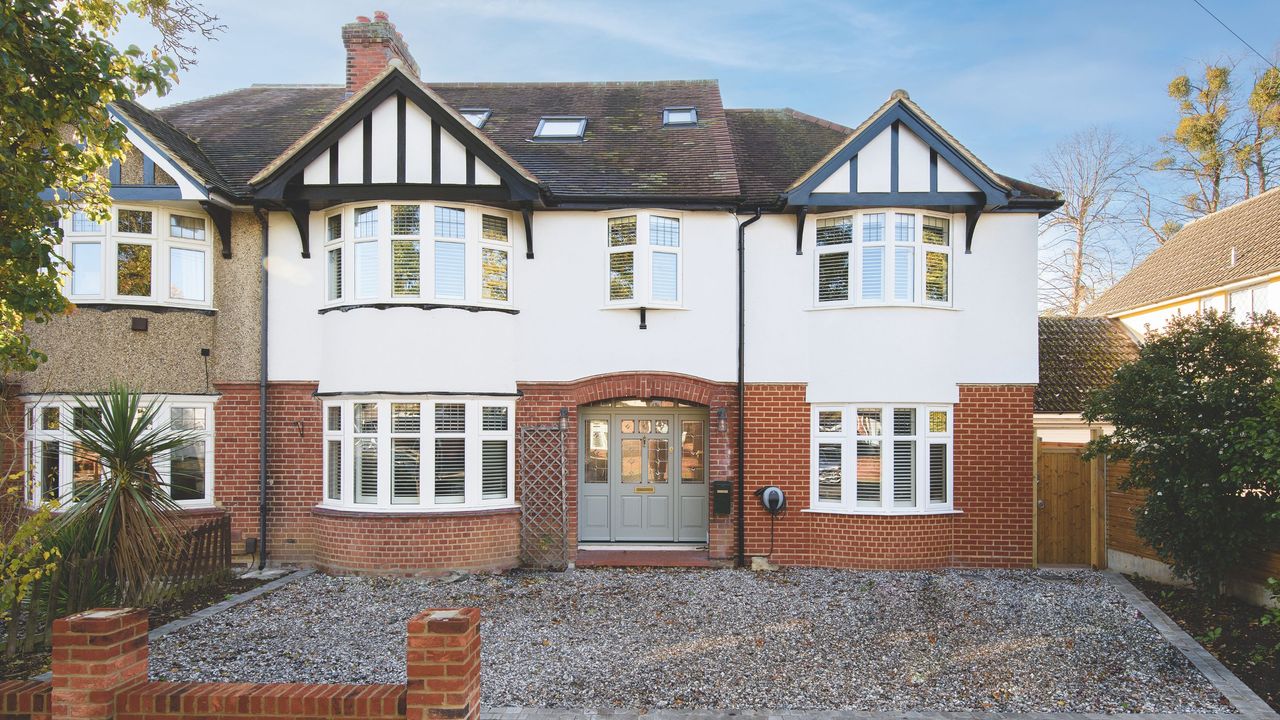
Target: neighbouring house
[(1229, 262), (426, 325)]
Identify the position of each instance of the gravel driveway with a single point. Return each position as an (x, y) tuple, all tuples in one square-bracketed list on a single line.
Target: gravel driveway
[(794, 639)]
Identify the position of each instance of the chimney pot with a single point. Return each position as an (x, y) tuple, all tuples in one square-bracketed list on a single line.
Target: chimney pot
[(362, 19), (370, 47), (381, 16)]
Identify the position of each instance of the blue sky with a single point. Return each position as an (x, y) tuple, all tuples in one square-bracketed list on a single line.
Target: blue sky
[(1009, 79)]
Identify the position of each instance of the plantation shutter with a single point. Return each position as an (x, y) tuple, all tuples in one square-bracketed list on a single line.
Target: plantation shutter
[(450, 259), (450, 453), (904, 457)]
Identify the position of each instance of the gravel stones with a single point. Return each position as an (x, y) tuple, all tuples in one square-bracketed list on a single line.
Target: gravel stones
[(1013, 641)]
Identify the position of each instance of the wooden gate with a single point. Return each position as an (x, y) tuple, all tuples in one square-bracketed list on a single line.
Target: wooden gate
[(1064, 506)]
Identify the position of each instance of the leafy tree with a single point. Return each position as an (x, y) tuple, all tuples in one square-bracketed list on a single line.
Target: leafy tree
[(58, 74), (1197, 416)]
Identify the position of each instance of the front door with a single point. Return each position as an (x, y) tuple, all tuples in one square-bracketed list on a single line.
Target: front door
[(643, 476)]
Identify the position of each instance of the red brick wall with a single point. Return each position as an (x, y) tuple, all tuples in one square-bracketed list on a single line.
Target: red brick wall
[(294, 469), (235, 448), (541, 402), (415, 543), (994, 448), (370, 46)]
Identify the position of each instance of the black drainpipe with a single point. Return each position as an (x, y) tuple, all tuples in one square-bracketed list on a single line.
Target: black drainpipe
[(262, 394), (742, 385)]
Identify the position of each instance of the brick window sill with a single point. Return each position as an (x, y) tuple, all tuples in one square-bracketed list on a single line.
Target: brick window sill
[(890, 513)]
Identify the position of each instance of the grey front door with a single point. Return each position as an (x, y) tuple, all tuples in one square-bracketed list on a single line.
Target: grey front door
[(643, 476)]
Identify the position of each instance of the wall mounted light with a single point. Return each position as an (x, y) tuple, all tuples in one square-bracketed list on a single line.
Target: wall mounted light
[(564, 418), (721, 424)]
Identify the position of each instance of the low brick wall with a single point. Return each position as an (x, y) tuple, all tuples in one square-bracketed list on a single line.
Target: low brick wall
[(100, 673), (377, 543)]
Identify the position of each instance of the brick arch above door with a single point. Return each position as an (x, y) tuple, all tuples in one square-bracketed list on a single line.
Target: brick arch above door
[(640, 385)]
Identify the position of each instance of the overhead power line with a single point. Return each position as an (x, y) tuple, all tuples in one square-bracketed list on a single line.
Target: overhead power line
[(1233, 32)]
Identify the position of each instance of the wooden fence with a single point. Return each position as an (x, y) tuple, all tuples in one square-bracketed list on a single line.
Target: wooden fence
[(202, 556)]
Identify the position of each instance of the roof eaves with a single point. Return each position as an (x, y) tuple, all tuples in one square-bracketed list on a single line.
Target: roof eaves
[(173, 154)]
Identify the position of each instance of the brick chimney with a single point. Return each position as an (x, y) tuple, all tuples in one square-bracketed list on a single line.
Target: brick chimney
[(371, 44)]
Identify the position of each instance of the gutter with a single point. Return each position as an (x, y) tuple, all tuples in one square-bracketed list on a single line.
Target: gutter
[(742, 385), (264, 278)]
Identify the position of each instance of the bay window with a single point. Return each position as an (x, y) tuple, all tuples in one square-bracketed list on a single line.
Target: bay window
[(643, 260), (883, 257), (421, 453), (58, 470), (417, 252), (881, 458), (144, 255)]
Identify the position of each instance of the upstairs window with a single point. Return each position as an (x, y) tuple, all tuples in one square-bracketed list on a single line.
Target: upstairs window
[(883, 257), (680, 116), (561, 128), (476, 116), (643, 263), (144, 255)]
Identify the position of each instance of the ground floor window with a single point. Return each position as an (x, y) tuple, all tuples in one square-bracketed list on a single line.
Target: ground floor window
[(878, 458), (406, 453), (57, 470)]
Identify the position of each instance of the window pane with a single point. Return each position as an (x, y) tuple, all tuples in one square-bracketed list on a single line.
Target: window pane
[(904, 274), (873, 273), (406, 268), (86, 273), (937, 421), (334, 227), (904, 473), (904, 421), (406, 469), (659, 460), (622, 231), (693, 449), (937, 277), (868, 480), (1239, 303), (333, 472), (666, 275), (50, 418), (560, 128), (493, 268), (835, 231), (406, 219), (335, 417), (186, 464), (597, 461), (937, 231), (364, 417), (450, 470), (830, 421), (664, 231), (493, 479), (1261, 301), (451, 222), (622, 276), (86, 470), (493, 419), (937, 473), (365, 470), (186, 274), (366, 222), (869, 422), (830, 472), (451, 418), (187, 228), (366, 270), (81, 417), (493, 228), (134, 221), (873, 227), (450, 270), (82, 223), (904, 228), (49, 475), (406, 417), (833, 277), (133, 270), (335, 274)]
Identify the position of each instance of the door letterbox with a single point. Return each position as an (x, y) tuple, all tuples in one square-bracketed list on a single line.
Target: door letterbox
[(721, 497)]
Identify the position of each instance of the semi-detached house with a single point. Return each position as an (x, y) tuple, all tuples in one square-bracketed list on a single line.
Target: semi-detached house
[(383, 300)]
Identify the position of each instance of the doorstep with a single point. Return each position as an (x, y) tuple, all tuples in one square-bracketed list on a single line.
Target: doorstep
[(646, 555)]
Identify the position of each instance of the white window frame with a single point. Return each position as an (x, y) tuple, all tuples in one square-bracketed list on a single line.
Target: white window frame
[(472, 243), (474, 435), (35, 434), (847, 439), (108, 239), (890, 246), (643, 252)]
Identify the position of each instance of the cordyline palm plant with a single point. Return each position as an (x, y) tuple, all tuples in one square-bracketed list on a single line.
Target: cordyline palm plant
[(128, 516)]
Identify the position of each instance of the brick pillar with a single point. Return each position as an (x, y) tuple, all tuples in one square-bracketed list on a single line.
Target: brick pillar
[(443, 665), (96, 654)]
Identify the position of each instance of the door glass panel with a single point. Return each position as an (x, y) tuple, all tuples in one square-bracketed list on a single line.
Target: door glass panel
[(659, 460), (630, 461), (661, 426), (597, 470), (628, 427), (693, 442), (646, 427)]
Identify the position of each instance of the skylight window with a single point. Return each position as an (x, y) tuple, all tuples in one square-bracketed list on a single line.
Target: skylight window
[(476, 116), (561, 128), (680, 116)]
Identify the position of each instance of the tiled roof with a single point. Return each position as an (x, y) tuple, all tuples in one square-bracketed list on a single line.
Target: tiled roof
[(1077, 356), (1198, 257), (774, 147), (178, 145)]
